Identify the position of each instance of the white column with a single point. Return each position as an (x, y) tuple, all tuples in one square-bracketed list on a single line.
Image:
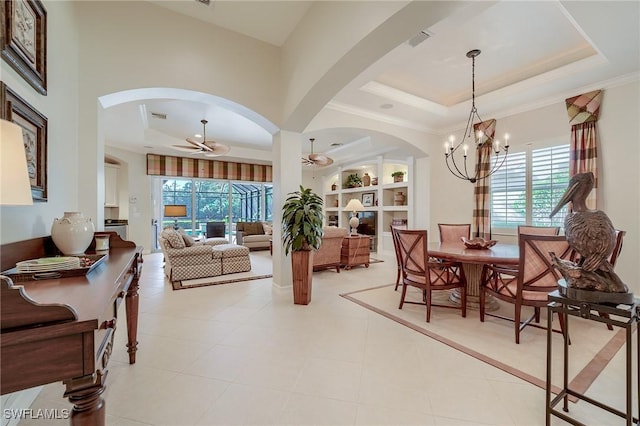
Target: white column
[(287, 177)]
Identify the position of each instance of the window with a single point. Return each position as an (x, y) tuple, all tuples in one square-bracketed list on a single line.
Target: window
[(528, 186), (210, 200)]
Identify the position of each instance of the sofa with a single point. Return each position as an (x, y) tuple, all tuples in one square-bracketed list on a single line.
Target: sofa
[(185, 259), (328, 255), (254, 235)]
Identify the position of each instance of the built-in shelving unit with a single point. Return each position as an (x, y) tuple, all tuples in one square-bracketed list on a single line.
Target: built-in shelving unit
[(389, 201)]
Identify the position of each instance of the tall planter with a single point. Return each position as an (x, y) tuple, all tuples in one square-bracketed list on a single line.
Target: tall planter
[(302, 270), (301, 234)]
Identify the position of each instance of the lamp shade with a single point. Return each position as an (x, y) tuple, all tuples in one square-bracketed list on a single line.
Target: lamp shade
[(15, 187), (354, 205), (175, 210)]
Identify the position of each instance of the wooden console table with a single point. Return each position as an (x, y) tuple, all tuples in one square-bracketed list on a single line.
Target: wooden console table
[(355, 251), (63, 329)]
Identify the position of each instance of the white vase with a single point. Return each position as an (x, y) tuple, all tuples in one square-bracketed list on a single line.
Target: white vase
[(72, 233)]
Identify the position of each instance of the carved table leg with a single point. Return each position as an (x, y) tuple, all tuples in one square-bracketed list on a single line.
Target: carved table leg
[(132, 320), (85, 393), (473, 274)]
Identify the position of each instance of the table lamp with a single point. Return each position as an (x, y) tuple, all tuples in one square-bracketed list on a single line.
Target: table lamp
[(15, 187), (175, 211), (354, 205)]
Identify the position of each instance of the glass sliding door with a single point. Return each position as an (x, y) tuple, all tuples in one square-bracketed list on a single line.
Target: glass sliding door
[(217, 203)]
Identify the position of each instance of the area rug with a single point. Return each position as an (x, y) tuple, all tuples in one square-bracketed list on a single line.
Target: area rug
[(261, 267), (493, 342)]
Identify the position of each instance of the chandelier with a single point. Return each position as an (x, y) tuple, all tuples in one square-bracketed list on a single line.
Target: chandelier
[(459, 168)]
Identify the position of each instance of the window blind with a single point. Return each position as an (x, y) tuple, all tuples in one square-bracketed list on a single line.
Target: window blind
[(528, 186)]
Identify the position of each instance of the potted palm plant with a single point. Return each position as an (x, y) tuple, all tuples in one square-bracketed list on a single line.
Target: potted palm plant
[(301, 234)]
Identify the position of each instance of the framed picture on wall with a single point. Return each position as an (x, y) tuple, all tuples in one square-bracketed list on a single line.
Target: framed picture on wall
[(34, 133), (367, 199), (23, 41)]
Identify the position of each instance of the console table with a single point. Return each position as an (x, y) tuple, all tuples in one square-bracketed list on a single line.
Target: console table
[(63, 329), (623, 316), (355, 251)]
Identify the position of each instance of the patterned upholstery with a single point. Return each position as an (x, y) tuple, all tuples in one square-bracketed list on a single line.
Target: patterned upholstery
[(173, 237), (234, 258), (210, 258)]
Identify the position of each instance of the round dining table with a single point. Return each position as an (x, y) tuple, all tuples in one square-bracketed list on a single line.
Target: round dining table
[(472, 261)]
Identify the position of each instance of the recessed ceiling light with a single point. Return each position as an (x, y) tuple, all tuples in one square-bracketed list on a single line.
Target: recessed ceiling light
[(386, 106)]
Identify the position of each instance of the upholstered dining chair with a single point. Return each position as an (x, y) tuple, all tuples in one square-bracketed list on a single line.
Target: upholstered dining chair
[(420, 272), (530, 283), (453, 232), (538, 230)]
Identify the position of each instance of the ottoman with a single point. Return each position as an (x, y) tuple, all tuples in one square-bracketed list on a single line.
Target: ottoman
[(235, 258)]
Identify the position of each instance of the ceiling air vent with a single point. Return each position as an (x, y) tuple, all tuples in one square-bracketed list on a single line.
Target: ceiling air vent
[(419, 38), (204, 2), (159, 115)]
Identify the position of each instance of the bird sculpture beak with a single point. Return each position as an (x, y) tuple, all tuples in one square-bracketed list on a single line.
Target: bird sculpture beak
[(568, 196)]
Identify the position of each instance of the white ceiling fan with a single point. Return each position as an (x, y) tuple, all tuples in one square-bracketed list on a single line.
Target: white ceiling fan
[(316, 159), (207, 147)]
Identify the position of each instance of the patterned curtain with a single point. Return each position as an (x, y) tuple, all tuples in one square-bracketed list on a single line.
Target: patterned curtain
[(164, 165), (481, 210), (583, 113)]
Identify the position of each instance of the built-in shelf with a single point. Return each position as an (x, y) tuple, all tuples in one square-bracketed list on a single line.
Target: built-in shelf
[(384, 193)]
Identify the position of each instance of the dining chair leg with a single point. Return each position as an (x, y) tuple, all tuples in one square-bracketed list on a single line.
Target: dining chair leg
[(563, 327), (404, 292), (427, 294), (606, 315), (482, 302), (463, 300), (397, 280), (536, 310), (516, 320)]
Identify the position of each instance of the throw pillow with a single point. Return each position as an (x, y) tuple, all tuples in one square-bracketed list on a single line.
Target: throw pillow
[(188, 240), (174, 239), (267, 228)]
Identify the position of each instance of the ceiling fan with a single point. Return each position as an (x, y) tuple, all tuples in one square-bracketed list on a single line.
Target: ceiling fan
[(316, 159), (207, 147)]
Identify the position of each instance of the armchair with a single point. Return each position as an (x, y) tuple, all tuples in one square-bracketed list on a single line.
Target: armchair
[(328, 255)]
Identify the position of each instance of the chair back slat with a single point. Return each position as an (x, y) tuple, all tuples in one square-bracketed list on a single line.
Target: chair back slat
[(537, 272), (617, 249), (413, 250), (453, 232)]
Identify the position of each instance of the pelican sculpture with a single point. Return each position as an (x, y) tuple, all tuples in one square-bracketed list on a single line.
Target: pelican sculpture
[(592, 235)]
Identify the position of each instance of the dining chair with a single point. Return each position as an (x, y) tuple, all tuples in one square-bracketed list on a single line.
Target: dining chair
[(528, 284), (420, 272), (453, 232), (394, 238), (538, 230)]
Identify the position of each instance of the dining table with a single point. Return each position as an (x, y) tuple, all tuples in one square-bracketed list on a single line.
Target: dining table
[(473, 260)]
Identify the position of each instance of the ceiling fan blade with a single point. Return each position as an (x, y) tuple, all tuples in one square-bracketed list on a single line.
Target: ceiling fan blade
[(197, 143), (320, 159), (186, 148)]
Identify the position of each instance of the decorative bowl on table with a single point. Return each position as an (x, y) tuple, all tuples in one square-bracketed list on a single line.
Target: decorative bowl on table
[(478, 243)]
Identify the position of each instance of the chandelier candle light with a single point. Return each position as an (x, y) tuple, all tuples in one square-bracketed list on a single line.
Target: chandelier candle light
[(451, 148)]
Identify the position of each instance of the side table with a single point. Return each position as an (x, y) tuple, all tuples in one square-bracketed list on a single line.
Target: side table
[(623, 316), (355, 251)]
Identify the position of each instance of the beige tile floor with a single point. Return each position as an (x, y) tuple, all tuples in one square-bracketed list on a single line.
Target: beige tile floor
[(243, 353)]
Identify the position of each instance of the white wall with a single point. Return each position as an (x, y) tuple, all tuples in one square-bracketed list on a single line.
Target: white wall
[(60, 106)]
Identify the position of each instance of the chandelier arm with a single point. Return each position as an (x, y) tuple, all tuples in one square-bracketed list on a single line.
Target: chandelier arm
[(455, 165), (456, 174)]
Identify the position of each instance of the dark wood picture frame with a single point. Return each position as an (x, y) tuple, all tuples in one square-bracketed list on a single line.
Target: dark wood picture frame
[(23, 40), (368, 199), (34, 130)]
